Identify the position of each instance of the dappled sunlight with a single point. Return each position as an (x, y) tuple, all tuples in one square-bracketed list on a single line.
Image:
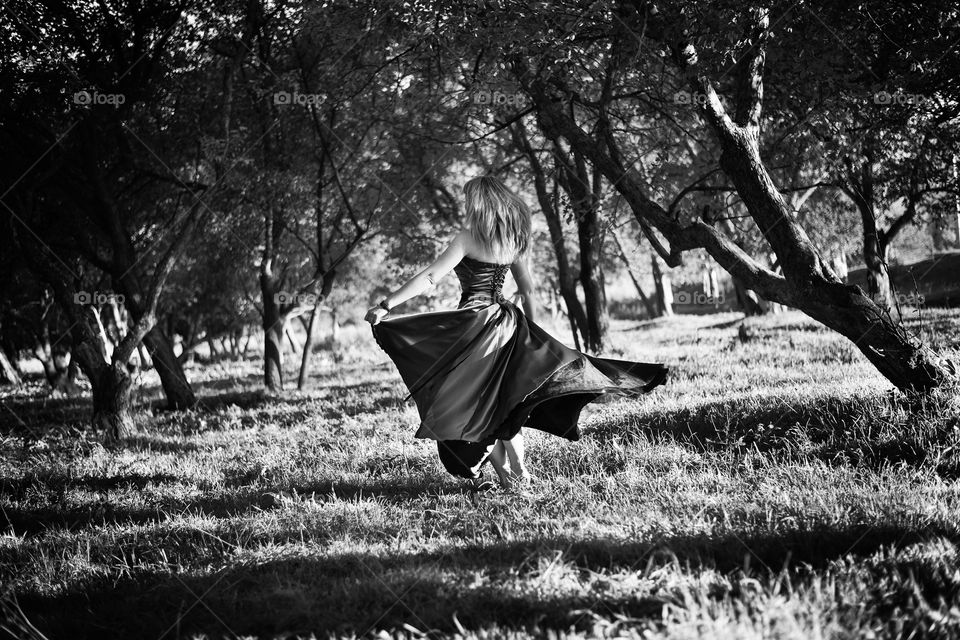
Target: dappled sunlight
[(720, 488)]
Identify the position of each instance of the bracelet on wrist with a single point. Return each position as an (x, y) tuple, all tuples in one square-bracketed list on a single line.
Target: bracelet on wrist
[(383, 305)]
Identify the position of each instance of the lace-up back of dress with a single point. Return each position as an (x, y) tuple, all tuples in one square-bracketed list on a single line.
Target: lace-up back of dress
[(481, 282)]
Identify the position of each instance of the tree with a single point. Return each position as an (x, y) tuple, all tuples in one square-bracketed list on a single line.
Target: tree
[(90, 132), (807, 282)]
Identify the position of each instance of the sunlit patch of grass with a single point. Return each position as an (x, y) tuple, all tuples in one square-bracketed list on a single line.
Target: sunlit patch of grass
[(774, 488)]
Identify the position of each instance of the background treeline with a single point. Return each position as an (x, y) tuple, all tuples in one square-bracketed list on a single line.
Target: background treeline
[(179, 175)]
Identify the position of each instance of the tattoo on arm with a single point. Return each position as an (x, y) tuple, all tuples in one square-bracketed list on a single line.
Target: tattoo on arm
[(430, 279)]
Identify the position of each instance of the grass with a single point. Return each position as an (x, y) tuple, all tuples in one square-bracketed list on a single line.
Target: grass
[(775, 488)]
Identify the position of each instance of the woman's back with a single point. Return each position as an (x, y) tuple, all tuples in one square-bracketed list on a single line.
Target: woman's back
[(472, 251)]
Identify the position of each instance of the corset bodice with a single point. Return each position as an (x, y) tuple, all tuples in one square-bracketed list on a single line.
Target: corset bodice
[(480, 281)]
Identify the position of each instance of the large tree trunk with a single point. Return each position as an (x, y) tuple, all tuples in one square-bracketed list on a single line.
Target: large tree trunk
[(111, 381), (112, 401)]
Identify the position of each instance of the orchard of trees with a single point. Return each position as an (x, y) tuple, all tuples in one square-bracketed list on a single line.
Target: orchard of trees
[(178, 174)]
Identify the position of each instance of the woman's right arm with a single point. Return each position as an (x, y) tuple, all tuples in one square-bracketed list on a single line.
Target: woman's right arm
[(524, 286), (423, 280)]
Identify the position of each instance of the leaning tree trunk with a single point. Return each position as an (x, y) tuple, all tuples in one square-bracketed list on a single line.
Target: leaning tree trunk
[(273, 333), (327, 280), (664, 292), (172, 377), (874, 243), (878, 275), (814, 288), (8, 372), (310, 326), (176, 388), (807, 283)]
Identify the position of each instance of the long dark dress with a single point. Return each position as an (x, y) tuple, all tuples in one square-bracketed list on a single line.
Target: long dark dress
[(481, 372)]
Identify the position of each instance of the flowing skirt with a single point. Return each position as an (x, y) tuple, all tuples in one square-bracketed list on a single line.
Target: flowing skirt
[(482, 372)]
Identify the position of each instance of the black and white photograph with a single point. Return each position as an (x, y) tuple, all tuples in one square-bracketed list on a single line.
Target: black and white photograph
[(479, 319)]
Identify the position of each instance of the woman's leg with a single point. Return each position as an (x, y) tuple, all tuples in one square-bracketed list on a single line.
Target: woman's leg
[(498, 458), (514, 453)]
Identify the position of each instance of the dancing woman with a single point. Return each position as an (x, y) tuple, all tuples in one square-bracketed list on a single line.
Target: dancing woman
[(480, 373)]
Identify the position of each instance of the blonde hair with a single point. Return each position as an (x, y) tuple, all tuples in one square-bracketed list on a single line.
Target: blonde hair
[(498, 220)]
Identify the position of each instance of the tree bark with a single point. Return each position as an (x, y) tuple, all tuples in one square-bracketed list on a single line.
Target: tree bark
[(591, 281), (647, 303), (178, 391), (113, 401), (584, 194), (815, 289), (664, 291), (8, 372), (747, 300), (566, 280), (874, 242), (807, 283), (273, 325), (310, 327)]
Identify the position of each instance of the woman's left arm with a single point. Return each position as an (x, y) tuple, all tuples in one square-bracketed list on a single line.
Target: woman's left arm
[(423, 280)]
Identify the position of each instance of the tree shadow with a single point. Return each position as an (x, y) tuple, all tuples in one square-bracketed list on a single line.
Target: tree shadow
[(839, 430), (239, 499), (28, 414), (358, 592)]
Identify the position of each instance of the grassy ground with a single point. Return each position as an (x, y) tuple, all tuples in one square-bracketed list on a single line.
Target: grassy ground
[(775, 488)]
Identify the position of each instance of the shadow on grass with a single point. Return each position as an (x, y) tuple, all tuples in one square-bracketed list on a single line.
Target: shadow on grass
[(870, 432), (39, 413), (358, 592), (37, 417), (239, 501)]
